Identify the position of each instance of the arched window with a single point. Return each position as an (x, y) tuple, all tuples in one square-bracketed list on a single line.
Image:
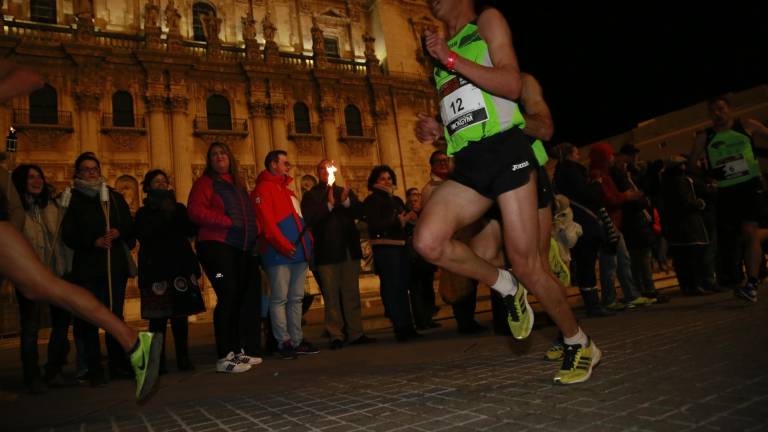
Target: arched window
[(199, 9), (219, 115), (301, 118), (44, 106), (43, 11), (353, 121), (122, 109)]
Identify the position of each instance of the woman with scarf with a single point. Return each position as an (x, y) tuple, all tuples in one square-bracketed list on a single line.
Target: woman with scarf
[(84, 230), (168, 268), (43, 217), (386, 218)]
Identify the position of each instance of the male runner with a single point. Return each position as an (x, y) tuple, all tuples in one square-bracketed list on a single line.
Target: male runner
[(478, 83), (730, 151)]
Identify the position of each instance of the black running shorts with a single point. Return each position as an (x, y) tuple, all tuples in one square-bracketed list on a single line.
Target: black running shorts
[(495, 165)]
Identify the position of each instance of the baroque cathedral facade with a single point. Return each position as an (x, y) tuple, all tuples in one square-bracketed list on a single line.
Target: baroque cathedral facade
[(151, 83)]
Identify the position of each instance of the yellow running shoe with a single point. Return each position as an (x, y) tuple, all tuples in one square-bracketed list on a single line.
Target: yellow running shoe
[(145, 360), (578, 363), (519, 313), (555, 352)]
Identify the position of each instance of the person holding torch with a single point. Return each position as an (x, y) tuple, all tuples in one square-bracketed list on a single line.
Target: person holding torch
[(99, 229), (330, 211)]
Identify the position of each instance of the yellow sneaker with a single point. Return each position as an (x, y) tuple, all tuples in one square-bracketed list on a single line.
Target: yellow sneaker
[(643, 301), (145, 360), (555, 352), (519, 313), (578, 363)]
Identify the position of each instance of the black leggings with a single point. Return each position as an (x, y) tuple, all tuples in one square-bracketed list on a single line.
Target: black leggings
[(180, 328), (235, 277)]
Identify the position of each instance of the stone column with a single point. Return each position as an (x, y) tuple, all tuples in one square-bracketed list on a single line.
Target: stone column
[(260, 139), (160, 153), (280, 131), (330, 132), (88, 109), (389, 150), (182, 143)]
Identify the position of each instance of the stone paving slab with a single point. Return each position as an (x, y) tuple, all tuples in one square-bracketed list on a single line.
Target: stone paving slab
[(692, 364)]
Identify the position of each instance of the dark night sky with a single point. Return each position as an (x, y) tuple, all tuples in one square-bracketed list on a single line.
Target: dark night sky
[(604, 69)]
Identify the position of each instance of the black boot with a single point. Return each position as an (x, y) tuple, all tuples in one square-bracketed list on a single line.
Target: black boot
[(592, 303)]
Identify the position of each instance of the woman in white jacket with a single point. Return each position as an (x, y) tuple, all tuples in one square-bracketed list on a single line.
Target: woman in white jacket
[(41, 227)]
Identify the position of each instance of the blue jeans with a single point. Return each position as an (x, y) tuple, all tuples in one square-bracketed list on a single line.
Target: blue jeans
[(609, 264), (287, 284)]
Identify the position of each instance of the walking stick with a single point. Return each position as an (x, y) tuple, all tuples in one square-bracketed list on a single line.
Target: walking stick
[(66, 197), (10, 149), (105, 208)]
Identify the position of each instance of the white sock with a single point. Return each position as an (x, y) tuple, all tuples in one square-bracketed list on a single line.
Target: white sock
[(580, 338), (506, 284)]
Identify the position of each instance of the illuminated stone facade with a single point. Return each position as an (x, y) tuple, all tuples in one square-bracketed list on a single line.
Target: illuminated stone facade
[(150, 84)]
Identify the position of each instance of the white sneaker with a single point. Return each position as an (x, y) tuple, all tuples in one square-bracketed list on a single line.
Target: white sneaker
[(229, 364), (241, 357)]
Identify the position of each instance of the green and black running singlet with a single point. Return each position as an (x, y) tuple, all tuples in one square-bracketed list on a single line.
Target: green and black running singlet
[(731, 155), (470, 113)]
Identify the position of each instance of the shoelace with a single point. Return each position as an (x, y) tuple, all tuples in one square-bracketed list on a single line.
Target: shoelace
[(513, 306), (569, 361)]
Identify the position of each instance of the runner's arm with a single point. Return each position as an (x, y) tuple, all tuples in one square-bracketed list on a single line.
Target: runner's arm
[(538, 120), (503, 78)]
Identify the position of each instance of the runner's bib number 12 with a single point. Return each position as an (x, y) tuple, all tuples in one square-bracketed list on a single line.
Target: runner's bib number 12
[(462, 105)]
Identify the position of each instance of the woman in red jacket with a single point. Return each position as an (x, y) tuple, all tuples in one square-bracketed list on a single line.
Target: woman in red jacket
[(227, 231)]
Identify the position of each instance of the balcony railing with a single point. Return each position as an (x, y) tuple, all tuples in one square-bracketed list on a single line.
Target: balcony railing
[(111, 121), (220, 123), (314, 129), (62, 119), (366, 133)]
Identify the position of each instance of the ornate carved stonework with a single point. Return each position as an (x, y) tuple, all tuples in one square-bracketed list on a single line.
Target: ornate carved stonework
[(318, 45), (179, 103), (126, 140), (172, 17), (248, 175), (87, 99), (271, 50), (43, 138), (258, 108), (277, 108), (155, 102), (358, 147), (152, 25), (328, 112), (307, 145), (232, 139)]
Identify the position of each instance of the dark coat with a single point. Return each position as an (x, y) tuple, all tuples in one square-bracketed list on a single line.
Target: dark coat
[(380, 212), (636, 220), (683, 224), (165, 251), (335, 233), (83, 223)]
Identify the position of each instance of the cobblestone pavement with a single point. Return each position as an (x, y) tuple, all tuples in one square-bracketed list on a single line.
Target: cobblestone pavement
[(693, 364)]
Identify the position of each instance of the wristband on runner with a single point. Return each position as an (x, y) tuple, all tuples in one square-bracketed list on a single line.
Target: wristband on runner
[(450, 62)]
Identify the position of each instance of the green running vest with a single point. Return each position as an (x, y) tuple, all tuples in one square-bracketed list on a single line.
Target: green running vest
[(731, 156), (470, 113)]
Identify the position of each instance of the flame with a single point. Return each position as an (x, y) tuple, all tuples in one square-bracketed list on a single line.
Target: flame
[(331, 176)]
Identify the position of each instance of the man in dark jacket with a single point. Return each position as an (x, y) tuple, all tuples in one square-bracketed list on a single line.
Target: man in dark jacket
[(330, 212)]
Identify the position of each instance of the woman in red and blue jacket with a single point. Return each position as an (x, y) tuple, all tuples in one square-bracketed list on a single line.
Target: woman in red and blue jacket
[(227, 232)]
